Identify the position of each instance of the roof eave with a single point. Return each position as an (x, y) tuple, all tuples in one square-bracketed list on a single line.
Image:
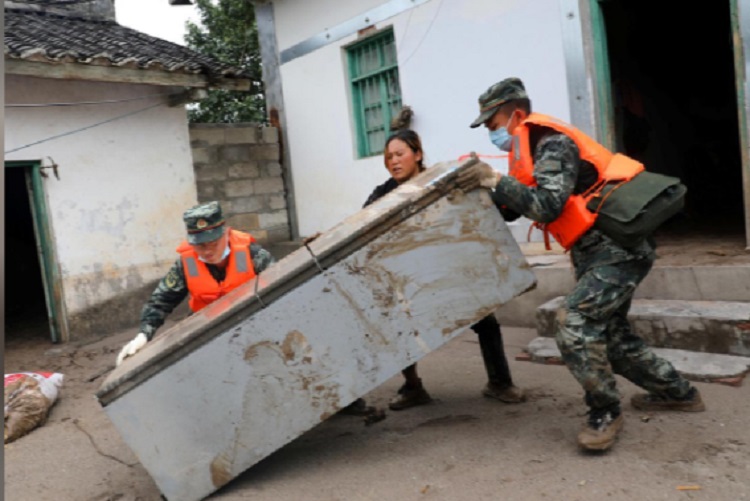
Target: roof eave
[(101, 73)]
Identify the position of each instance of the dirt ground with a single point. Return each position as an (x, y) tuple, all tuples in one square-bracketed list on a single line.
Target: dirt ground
[(462, 446)]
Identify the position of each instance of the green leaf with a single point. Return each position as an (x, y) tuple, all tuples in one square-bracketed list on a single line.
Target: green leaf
[(228, 34)]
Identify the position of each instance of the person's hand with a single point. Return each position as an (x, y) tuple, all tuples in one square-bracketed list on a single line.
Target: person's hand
[(132, 347), (478, 175)]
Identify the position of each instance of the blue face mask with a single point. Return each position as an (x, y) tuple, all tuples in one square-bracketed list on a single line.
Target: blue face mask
[(501, 138), (223, 256)]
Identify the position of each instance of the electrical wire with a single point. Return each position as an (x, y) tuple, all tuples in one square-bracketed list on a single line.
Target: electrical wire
[(406, 29), (57, 136), (86, 103), (419, 44)]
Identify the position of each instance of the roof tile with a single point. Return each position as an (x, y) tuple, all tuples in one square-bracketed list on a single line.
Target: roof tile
[(39, 36)]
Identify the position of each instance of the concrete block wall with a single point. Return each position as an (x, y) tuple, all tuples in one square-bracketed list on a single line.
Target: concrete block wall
[(239, 165)]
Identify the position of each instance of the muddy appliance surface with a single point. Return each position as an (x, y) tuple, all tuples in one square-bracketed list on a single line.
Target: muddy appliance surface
[(231, 384)]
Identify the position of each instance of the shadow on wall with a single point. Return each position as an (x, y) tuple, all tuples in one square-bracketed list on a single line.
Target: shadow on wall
[(115, 314)]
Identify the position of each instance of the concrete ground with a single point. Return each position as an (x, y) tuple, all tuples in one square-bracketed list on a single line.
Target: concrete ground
[(462, 446)]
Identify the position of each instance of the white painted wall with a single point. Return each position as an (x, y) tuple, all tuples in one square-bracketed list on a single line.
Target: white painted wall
[(116, 212), (449, 52)]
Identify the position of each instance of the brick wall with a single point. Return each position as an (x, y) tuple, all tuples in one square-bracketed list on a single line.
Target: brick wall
[(238, 165)]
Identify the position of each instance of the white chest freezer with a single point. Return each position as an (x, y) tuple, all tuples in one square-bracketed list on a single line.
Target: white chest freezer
[(231, 384)]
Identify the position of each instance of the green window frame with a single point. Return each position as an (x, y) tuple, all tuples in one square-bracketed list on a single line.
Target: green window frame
[(376, 92)]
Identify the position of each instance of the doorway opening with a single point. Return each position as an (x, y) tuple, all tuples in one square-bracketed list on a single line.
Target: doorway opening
[(26, 314), (675, 105)]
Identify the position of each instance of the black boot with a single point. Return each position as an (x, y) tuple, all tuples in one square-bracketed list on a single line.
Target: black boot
[(357, 408), (410, 395)]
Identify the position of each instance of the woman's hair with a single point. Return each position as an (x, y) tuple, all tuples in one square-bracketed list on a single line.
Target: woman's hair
[(411, 139)]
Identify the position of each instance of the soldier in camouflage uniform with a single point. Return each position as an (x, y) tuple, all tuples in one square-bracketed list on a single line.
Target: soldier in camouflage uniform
[(209, 237), (592, 330)]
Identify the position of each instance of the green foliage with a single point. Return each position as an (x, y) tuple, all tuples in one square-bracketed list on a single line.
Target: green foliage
[(229, 35)]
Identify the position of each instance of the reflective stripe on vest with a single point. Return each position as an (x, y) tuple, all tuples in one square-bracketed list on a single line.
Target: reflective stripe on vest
[(202, 287), (192, 266), (242, 259), (240, 256)]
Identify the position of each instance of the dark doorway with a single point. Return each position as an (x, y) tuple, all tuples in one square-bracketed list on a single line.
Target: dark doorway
[(25, 305), (676, 106)]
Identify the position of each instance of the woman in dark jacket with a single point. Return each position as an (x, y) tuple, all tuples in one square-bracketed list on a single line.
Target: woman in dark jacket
[(404, 159)]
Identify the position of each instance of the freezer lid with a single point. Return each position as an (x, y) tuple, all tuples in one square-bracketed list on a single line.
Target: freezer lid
[(349, 235)]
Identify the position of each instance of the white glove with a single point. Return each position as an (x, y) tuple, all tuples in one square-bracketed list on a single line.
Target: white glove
[(132, 347)]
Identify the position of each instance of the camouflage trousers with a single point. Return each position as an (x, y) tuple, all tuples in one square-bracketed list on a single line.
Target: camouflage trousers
[(597, 342)]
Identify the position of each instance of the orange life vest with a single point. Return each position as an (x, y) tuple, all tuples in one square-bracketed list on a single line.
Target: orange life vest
[(575, 219), (203, 288)]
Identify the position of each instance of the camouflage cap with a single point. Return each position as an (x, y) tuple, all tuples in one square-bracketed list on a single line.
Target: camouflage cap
[(496, 96), (204, 223)]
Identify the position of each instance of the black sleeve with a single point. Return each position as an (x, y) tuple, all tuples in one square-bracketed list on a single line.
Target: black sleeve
[(373, 196), (381, 191)]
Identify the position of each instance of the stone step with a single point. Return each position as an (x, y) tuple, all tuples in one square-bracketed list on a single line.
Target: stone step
[(707, 282), (707, 367), (721, 327)]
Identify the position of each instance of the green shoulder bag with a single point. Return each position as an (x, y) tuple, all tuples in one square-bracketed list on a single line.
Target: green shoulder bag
[(629, 212)]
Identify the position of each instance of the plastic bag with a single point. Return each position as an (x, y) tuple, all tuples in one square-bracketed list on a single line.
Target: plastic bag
[(28, 399)]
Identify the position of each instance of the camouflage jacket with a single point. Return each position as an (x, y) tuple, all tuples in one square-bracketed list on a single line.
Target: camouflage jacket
[(560, 172), (172, 289)]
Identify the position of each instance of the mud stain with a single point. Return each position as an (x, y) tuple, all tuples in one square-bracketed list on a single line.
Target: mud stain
[(387, 288), (395, 286), (221, 470), (448, 420), (353, 269), (462, 324), (386, 298), (395, 248), (252, 350), (409, 237), (326, 397), (371, 328), (294, 349), (306, 382)]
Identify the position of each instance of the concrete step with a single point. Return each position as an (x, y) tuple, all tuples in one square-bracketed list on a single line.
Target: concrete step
[(729, 281), (707, 367), (721, 327)]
